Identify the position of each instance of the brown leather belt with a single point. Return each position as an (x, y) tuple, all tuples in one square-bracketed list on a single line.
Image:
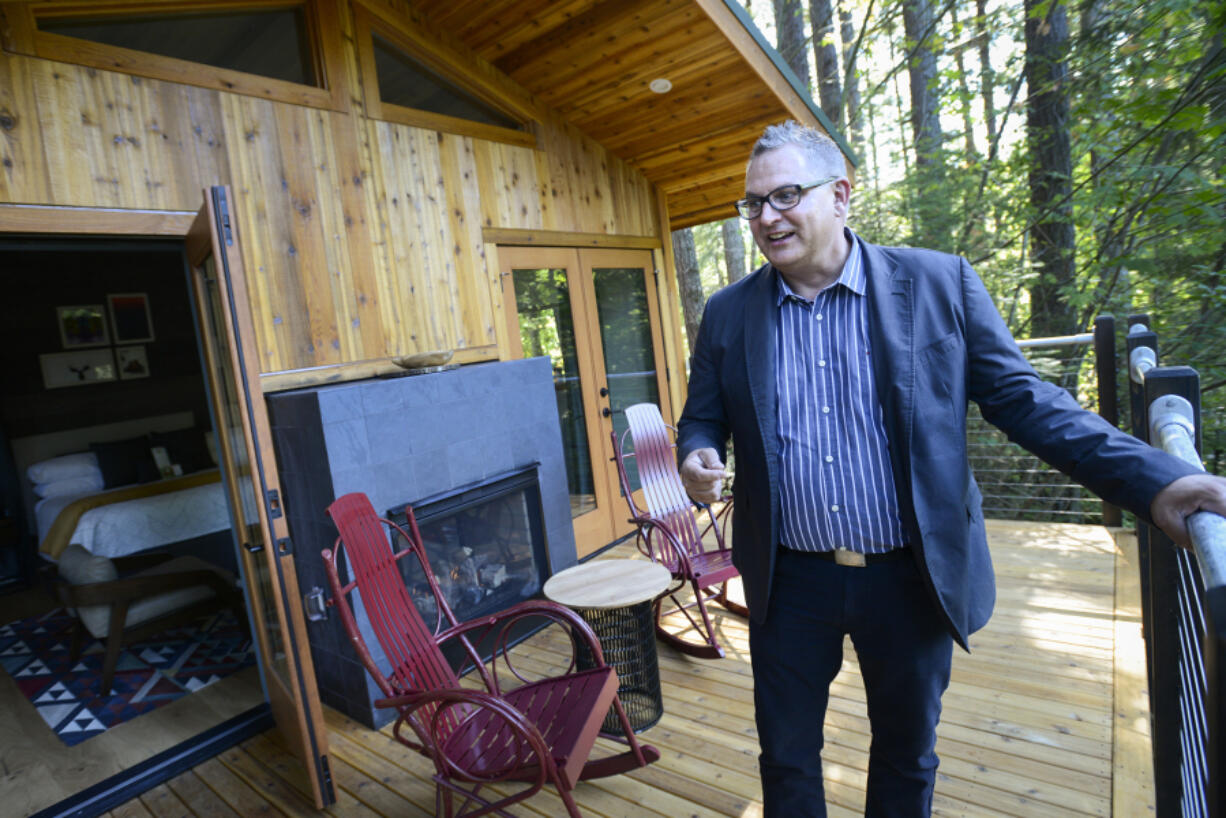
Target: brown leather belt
[(854, 559)]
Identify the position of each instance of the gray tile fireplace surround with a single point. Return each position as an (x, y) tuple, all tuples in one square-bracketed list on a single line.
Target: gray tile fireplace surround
[(400, 440)]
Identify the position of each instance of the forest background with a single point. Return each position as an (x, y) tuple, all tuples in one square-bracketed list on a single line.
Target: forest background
[(1073, 153)]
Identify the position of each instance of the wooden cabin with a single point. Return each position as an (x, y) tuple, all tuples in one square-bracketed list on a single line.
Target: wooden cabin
[(248, 218)]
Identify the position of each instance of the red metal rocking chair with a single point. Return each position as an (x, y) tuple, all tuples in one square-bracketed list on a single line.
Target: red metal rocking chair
[(540, 731), (669, 532)]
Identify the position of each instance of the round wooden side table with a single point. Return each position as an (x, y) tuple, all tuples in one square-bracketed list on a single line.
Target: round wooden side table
[(615, 597)]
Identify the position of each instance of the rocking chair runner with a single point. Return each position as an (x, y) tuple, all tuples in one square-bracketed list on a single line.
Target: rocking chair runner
[(540, 731), (669, 533)]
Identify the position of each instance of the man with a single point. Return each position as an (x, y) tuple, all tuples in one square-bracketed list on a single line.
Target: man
[(842, 370)]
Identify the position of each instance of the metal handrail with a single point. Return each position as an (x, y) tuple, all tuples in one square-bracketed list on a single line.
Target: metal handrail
[(1056, 340), (1172, 426), (1016, 484), (1183, 595)]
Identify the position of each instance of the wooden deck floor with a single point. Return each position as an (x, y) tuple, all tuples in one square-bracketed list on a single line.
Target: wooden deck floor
[(1045, 717)]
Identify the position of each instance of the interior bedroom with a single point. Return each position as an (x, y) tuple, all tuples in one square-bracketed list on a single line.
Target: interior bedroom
[(123, 629)]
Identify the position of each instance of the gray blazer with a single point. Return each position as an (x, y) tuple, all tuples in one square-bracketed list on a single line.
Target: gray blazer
[(937, 341)]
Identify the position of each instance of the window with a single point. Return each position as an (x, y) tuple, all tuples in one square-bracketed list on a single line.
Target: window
[(273, 50), (411, 77), (272, 43), (406, 82)]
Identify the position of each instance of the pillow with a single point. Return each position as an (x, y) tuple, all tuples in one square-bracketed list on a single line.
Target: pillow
[(185, 447), (63, 467), (124, 462), (86, 484)]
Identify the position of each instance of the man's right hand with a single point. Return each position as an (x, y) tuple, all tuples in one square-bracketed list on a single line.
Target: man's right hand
[(703, 475)]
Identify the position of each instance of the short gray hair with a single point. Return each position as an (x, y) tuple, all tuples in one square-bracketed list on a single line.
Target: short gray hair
[(820, 149)]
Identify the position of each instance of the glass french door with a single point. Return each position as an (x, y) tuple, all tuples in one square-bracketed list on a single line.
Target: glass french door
[(250, 474), (594, 313)]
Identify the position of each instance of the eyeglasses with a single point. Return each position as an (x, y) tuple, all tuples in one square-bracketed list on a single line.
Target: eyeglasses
[(781, 198)]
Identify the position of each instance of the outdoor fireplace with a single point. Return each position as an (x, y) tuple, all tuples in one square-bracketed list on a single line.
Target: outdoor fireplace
[(485, 542), (477, 451)]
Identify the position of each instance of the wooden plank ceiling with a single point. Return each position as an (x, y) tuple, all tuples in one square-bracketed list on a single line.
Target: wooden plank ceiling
[(593, 62)]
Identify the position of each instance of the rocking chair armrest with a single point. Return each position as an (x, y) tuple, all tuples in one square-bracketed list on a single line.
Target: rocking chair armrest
[(679, 553), (532, 607), (717, 520)]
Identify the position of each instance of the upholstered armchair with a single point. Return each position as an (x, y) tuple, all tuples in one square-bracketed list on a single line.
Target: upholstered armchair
[(137, 598)]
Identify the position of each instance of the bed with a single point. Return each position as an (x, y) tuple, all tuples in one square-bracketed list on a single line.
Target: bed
[(133, 518), (114, 492)]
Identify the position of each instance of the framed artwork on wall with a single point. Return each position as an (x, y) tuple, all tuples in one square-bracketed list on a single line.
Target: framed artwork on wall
[(82, 326), (77, 368), (131, 362), (130, 317)]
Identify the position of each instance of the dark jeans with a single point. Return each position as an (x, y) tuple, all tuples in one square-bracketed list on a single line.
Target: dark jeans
[(904, 653)]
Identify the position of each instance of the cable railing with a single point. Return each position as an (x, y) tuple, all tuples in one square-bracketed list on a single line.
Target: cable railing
[(1015, 484), (1183, 595)]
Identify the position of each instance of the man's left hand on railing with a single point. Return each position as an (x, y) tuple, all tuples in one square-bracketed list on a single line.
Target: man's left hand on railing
[(1187, 495)]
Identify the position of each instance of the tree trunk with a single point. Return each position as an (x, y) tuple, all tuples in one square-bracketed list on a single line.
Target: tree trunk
[(1051, 168), (734, 250), (964, 91), (851, 82), (790, 36), (1108, 232), (829, 85), (987, 77), (688, 281), (919, 24)]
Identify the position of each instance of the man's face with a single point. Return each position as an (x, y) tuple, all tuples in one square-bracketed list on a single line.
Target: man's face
[(798, 240)]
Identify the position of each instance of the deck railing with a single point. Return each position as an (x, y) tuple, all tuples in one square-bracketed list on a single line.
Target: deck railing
[(1183, 600), (1015, 484)]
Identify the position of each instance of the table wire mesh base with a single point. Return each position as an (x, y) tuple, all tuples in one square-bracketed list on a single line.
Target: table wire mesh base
[(628, 640)]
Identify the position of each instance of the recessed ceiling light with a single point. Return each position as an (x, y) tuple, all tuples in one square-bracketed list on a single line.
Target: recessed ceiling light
[(660, 85)]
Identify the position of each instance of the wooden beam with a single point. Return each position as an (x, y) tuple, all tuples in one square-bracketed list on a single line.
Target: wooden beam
[(19, 218), (558, 238), (358, 370)]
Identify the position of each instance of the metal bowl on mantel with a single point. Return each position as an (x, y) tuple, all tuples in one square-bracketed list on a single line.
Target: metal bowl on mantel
[(419, 363)]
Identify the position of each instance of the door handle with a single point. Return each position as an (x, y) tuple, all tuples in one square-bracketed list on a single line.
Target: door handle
[(606, 411), (604, 391)]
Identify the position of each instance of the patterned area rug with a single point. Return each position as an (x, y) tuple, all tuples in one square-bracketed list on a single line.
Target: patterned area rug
[(150, 674)]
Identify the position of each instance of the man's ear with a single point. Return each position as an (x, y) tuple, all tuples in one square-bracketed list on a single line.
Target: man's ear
[(842, 196)]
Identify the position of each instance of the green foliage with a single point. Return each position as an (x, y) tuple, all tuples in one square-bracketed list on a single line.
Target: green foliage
[(1147, 94)]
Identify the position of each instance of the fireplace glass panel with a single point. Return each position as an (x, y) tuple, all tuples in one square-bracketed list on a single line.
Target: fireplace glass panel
[(485, 545)]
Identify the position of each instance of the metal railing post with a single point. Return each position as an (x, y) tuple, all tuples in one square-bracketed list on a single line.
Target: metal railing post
[(1141, 338), (1215, 695), (1164, 638), (1175, 427), (1108, 404)]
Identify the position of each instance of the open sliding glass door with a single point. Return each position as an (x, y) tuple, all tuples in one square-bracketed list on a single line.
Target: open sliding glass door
[(250, 473), (593, 313)]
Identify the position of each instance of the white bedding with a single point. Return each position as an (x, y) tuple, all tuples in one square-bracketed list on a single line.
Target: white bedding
[(140, 524)]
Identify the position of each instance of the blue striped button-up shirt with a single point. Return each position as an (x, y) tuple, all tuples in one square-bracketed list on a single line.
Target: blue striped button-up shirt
[(836, 487)]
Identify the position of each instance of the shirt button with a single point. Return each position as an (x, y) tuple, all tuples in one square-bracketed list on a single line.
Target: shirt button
[(834, 507), (822, 362), (825, 410), (829, 458), (818, 316)]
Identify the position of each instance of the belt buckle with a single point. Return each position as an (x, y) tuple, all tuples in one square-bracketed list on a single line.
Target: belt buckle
[(852, 559)]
